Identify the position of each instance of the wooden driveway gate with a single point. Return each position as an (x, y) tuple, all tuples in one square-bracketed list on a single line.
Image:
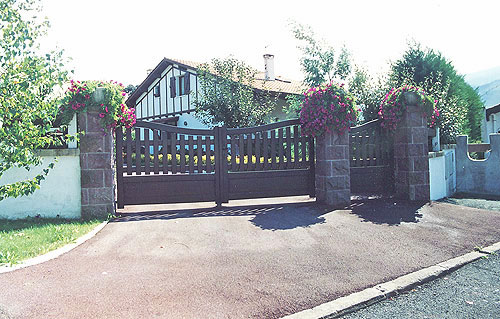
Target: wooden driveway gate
[(159, 164), (371, 152)]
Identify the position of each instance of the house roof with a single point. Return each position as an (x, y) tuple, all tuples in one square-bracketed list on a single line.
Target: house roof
[(279, 85), (492, 110)]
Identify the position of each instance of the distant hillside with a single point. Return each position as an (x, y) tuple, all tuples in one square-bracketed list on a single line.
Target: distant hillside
[(490, 93), (488, 84)]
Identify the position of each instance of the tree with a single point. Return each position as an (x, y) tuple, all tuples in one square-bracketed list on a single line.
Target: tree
[(318, 60), (28, 80), (227, 95), (459, 104)]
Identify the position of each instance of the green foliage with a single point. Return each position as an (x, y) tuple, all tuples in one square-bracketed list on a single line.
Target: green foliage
[(226, 95), (319, 62), (113, 111), (459, 105), (326, 108), (28, 82)]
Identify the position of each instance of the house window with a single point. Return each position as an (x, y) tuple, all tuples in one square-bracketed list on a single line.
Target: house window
[(179, 85), (181, 90)]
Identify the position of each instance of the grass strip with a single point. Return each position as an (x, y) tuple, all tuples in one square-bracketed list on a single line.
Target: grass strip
[(27, 238)]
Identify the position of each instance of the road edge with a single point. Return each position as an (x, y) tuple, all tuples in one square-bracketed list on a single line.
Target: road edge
[(371, 295), (54, 253)]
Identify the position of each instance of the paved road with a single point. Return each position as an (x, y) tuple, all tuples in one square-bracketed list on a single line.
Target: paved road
[(472, 291), (261, 261)]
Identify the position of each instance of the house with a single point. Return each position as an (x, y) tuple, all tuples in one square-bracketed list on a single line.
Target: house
[(167, 94), (491, 122)]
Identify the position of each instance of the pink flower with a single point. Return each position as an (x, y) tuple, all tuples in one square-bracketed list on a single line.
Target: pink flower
[(101, 115)]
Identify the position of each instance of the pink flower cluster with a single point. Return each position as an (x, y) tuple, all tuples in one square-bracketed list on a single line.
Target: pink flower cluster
[(127, 117), (327, 108), (392, 107)]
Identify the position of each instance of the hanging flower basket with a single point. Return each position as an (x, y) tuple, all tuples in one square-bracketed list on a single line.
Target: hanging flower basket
[(327, 108), (396, 102), (112, 109)]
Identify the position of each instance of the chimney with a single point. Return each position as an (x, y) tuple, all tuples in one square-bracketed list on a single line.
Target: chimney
[(269, 67)]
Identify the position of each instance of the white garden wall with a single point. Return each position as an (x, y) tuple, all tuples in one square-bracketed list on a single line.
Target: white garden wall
[(59, 194)]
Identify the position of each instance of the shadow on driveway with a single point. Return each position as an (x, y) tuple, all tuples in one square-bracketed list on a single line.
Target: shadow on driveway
[(266, 217)]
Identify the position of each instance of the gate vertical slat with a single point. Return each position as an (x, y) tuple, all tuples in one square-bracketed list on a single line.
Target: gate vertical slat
[(288, 147), (191, 154), (222, 161), (129, 151), (119, 167), (208, 161), (183, 153), (265, 144), (249, 152), (173, 140), (303, 145), (377, 147), (273, 149), (218, 170), (258, 166), (138, 151), (357, 153), (242, 152), (233, 154), (199, 153), (372, 148), (312, 168), (164, 140), (156, 152), (295, 146), (147, 165), (280, 148)]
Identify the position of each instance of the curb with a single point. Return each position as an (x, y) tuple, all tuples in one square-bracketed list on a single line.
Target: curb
[(369, 296), (54, 253)]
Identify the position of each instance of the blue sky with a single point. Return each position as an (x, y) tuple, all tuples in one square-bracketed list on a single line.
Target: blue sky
[(120, 40)]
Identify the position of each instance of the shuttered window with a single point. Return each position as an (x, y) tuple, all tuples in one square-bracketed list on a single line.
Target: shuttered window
[(179, 85)]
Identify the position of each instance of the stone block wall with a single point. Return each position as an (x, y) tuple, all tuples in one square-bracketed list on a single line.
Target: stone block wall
[(332, 174), (411, 162), (97, 164)]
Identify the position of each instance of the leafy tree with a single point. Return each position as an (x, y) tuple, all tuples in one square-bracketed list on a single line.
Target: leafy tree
[(319, 61), (27, 89), (227, 95), (129, 89), (458, 103)]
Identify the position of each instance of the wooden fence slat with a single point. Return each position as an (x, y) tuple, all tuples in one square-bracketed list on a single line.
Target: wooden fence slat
[(295, 146), (233, 154), (191, 154), (280, 148), (138, 151), (129, 151), (249, 152), (199, 153), (242, 152), (303, 147), (156, 152), (173, 140), (147, 151), (288, 148), (208, 151), (164, 141), (258, 166), (273, 149), (183, 153), (265, 147)]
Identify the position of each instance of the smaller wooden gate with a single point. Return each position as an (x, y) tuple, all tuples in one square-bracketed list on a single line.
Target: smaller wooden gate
[(158, 163), (371, 159)]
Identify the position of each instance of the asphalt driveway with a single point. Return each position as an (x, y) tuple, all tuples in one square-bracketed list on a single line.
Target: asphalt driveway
[(260, 261)]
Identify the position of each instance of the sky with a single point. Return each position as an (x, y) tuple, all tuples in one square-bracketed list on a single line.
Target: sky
[(121, 39)]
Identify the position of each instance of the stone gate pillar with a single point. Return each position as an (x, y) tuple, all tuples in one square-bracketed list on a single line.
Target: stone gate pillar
[(411, 161), (96, 162), (332, 174)]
